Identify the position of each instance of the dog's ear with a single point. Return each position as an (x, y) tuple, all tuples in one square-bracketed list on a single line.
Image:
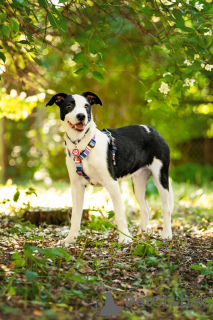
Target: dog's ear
[(93, 98), (57, 98)]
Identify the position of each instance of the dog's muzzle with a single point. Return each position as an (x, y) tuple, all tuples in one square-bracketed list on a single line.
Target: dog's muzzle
[(77, 126)]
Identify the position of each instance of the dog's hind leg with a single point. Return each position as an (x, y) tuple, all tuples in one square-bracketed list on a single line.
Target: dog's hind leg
[(139, 181), (171, 196), (77, 208), (120, 219), (160, 173)]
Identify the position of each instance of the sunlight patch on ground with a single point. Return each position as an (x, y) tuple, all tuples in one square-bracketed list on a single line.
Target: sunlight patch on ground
[(56, 197), (192, 204)]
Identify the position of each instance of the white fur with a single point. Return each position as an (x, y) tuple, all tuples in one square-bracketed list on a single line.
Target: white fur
[(80, 102), (95, 166), (166, 198), (145, 127), (98, 172)]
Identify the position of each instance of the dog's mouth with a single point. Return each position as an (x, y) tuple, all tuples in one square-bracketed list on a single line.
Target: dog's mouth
[(77, 126)]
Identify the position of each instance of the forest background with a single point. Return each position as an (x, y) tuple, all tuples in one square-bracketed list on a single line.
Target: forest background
[(150, 63)]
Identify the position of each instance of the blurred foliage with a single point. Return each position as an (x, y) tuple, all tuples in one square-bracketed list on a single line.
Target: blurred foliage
[(193, 173), (149, 61), (161, 43)]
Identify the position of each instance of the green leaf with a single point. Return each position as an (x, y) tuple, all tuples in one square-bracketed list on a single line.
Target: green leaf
[(58, 13), (172, 69), (3, 17), (41, 62), (82, 71), (62, 33), (39, 29), (140, 250), (196, 267), (52, 20), (31, 191), (205, 272), (207, 40), (179, 18), (111, 214), (35, 16), (98, 76), (175, 101), (16, 196), (16, 256), (210, 11), (23, 42), (19, 263), (158, 243), (6, 30), (11, 291), (2, 57), (80, 57), (101, 67), (151, 261), (14, 24), (28, 11), (62, 23), (30, 275), (154, 105), (43, 3), (83, 37)]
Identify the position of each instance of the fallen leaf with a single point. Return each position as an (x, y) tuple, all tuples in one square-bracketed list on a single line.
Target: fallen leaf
[(12, 265), (86, 269), (144, 290), (200, 278), (37, 313)]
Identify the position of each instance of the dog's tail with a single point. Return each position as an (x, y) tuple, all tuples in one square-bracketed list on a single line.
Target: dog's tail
[(171, 196)]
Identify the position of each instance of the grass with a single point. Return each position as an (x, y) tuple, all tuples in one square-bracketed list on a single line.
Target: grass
[(43, 280)]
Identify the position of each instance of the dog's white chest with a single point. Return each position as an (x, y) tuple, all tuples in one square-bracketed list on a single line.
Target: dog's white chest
[(94, 165)]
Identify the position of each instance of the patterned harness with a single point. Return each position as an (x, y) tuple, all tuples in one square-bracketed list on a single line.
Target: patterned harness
[(78, 157)]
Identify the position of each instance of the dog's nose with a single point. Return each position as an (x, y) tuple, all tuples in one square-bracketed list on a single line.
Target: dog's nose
[(80, 116)]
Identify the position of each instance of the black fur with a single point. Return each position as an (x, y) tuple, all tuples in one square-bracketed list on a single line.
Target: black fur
[(57, 99), (89, 112), (67, 106), (137, 148), (92, 98)]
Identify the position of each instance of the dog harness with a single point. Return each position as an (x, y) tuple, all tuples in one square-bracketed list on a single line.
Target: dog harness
[(78, 157), (112, 141)]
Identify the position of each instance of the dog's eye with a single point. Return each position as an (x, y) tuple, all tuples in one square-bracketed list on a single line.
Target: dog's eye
[(69, 107), (86, 106)]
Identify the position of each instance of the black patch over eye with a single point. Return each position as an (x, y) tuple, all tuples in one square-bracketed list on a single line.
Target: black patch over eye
[(70, 107)]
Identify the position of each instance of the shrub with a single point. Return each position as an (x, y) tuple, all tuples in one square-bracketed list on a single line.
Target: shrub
[(193, 173)]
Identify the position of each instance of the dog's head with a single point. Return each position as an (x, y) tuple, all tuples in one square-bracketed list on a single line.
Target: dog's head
[(75, 110)]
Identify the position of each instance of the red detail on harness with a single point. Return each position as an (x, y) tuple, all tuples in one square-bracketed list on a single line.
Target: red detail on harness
[(75, 152)]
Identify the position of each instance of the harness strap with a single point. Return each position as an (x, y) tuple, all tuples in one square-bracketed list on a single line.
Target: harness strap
[(78, 159), (82, 155), (112, 141)]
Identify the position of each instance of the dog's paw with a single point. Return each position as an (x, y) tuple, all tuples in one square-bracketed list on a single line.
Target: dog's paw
[(68, 240), (124, 239), (166, 235)]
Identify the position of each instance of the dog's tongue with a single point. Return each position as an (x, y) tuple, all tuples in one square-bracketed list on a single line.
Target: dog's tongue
[(79, 126)]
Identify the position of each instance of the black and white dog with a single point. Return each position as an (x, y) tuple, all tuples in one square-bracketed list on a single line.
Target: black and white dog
[(101, 158)]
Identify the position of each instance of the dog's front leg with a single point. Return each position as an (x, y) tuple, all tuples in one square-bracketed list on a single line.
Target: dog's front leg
[(120, 219), (77, 208)]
